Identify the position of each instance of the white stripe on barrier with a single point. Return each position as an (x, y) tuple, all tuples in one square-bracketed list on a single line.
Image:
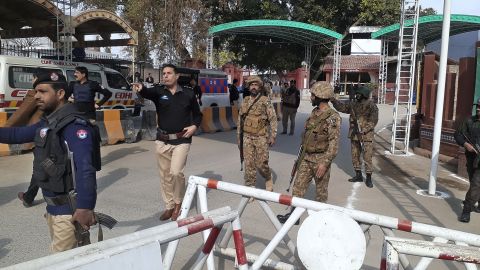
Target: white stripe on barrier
[(360, 216), (421, 248), (93, 253)]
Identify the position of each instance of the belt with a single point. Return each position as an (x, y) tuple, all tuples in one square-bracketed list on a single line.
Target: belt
[(169, 137), (57, 200)]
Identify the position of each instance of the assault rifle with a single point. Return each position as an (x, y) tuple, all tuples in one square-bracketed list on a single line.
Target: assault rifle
[(296, 165), (81, 234), (477, 150), (357, 130)]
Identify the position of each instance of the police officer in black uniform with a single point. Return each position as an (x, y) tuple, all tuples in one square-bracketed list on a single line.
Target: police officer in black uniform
[(65, 148), (84, 91)]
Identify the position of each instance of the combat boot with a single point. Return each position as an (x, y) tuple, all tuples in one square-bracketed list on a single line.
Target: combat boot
[(357, 178), (368, 180), (465, 217), (283, 218)]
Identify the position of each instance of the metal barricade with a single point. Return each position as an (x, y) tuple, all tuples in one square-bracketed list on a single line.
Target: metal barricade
[(365, 219), (141, 250)]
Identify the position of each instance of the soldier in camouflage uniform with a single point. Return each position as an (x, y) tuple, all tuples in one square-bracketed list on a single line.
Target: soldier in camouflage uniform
[(320, 143), (367, 113), (259, 132)]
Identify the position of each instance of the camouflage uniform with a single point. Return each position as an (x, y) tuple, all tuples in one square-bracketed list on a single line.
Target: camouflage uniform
[(256, 134), (320, 140), (367, 114)]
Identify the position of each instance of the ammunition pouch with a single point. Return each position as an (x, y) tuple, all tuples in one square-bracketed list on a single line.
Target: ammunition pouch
[(255, 124)]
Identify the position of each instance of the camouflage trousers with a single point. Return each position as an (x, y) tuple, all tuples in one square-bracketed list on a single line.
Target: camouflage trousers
[(367, 156), (255, 153), (305, 173)]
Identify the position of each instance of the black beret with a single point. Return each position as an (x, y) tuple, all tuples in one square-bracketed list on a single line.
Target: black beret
[(49, 78)]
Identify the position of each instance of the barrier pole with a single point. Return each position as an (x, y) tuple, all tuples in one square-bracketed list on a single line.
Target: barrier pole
[(207, 248), (391, 257), (202, 198), (359, 216), (278, 237), (268, 211), (186, 204), (403, 258), (251, 258), (425, 261), (228, 234), (468, 266), (239, 244), (422, 248)]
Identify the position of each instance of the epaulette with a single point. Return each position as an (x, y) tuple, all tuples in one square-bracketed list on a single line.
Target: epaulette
[(81, 121)]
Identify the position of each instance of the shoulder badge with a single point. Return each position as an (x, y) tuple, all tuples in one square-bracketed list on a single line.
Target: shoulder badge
[(43, 132), (82, 134)]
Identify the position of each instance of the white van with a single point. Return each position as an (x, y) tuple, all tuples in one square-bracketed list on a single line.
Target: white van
[(16, 75), (213, 83)]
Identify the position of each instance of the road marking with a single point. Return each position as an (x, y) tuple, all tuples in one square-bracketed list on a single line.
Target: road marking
[(353, 195)]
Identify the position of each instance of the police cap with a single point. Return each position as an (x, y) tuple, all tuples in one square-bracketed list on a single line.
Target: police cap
[(49, 78)]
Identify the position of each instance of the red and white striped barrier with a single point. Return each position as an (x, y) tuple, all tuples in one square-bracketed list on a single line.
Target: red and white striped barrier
[(386, 223), (110, 254), (393, 246)]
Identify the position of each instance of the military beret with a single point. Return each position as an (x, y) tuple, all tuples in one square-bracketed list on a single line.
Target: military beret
[(49, 78)]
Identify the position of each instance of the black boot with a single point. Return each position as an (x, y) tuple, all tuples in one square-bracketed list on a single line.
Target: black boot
[(368, 180), (465, 217), (357, 178), (283, 218)]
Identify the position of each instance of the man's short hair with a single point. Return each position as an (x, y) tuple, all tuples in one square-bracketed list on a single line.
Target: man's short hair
[(172, 66), (235, 81), (82, 70)]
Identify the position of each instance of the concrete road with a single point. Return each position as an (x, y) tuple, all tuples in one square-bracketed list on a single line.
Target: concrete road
[(129, 190)]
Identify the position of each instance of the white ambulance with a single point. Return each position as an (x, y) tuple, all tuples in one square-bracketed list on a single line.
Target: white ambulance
[(16, 75)]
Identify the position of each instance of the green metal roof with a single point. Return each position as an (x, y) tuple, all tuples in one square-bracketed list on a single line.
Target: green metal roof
[(296, 32), (430, 27)]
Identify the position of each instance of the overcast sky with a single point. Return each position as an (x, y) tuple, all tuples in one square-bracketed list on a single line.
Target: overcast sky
[(470, 7)]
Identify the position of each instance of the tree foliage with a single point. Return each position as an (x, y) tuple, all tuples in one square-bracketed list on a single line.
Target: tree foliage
[(177, 29)]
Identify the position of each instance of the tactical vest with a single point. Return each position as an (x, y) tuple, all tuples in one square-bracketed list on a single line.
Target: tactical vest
[(256, 120), (84, 92), (316, 132), (52, 167)]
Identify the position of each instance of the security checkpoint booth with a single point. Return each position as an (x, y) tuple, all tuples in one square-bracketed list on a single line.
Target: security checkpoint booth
[(308, 36)]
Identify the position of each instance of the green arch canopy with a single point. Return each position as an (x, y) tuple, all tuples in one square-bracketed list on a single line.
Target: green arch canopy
[(295, 32), (430, 27)]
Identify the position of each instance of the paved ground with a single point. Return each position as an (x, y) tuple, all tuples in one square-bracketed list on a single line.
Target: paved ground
[(128, 189)]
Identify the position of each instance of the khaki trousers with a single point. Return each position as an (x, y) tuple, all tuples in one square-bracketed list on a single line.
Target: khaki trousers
[(171, 165), (62, 232)]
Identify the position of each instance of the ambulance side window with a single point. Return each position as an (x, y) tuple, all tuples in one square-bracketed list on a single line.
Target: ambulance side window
[(92, 76), (116, 81), (22, 77)]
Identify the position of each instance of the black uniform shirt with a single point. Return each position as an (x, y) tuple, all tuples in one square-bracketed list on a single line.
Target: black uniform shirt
[(174, 112)]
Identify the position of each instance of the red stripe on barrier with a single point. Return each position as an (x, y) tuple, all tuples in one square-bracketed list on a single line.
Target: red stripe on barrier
[(189, 220), (239, 247), (212, 237), (199, 226), (285, 199), (383, 264), (447, 257), (405, 225), (212, 183)]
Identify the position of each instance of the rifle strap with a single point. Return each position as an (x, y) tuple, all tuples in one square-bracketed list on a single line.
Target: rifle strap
[(249, 108)]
